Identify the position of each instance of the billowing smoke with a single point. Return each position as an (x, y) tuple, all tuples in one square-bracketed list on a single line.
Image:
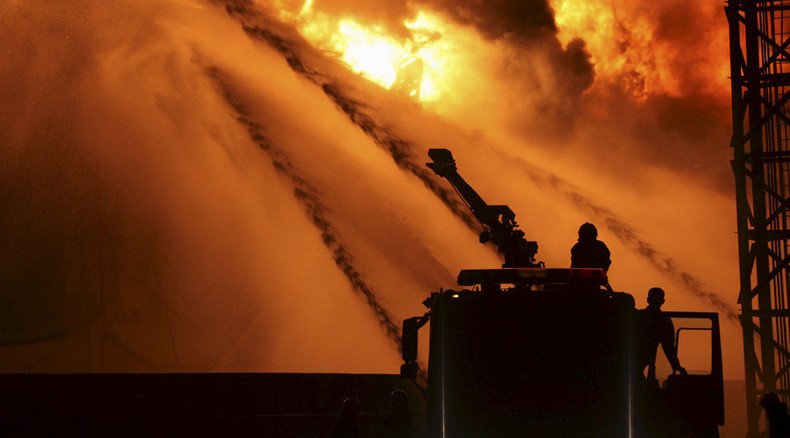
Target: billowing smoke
[(657, 72), (191, 186), (547, 77), (670, 108), (494, 19)]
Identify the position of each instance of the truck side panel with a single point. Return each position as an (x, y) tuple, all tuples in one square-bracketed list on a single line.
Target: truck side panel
[(549, 363)]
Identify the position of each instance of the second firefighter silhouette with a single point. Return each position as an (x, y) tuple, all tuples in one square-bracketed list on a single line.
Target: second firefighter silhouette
[(655, 328), (589, 252)]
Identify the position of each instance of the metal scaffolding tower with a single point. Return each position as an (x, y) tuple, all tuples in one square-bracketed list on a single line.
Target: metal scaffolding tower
[(760, 66)]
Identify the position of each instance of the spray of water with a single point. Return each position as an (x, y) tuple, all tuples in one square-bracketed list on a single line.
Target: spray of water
[(308, 196), (402, 152), (186, 217)]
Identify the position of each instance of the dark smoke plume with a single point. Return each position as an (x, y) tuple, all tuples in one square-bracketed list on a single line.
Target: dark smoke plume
[(493, 19), (496, 19), (530, 33)]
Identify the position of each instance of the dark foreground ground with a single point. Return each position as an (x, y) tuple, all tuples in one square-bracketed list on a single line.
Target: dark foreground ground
[(277, 405), (239, 404)]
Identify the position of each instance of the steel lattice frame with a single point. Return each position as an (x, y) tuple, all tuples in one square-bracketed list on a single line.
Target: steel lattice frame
[(760, 72)]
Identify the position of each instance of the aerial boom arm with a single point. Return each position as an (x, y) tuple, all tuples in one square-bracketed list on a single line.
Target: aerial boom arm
[(444, 166), (499, 221)]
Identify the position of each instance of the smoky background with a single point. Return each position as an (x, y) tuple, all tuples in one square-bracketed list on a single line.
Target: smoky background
[(178, 196)]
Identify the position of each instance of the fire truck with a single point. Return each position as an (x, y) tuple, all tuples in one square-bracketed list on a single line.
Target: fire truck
[(526, 350)]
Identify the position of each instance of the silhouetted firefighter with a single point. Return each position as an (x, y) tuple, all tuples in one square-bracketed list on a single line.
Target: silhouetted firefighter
[(589, 252), (654, 328), (776, 414), (400, 422), (347, 423)]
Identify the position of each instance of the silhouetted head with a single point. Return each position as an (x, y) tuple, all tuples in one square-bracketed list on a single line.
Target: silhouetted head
[(399, 400), (655, 297), (772, 405), (350, 408), (588, 232)]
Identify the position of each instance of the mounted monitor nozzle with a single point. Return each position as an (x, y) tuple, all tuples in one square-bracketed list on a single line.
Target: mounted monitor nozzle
[(498, 221)]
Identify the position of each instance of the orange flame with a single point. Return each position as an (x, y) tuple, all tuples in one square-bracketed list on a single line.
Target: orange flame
[(416, 66), (627, 48), (619, 52)]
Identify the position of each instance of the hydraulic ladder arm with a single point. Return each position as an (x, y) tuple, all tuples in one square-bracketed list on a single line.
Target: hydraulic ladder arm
[(499, 221)]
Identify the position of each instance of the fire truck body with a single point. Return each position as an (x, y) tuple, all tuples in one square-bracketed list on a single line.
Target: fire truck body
[(530, 351), (550, 363), (559, 360)]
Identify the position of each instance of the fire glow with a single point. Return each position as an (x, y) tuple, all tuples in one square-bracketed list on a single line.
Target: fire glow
[(417, 67), (626, 47), (429, 64), (618, 51), (162, 192)]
